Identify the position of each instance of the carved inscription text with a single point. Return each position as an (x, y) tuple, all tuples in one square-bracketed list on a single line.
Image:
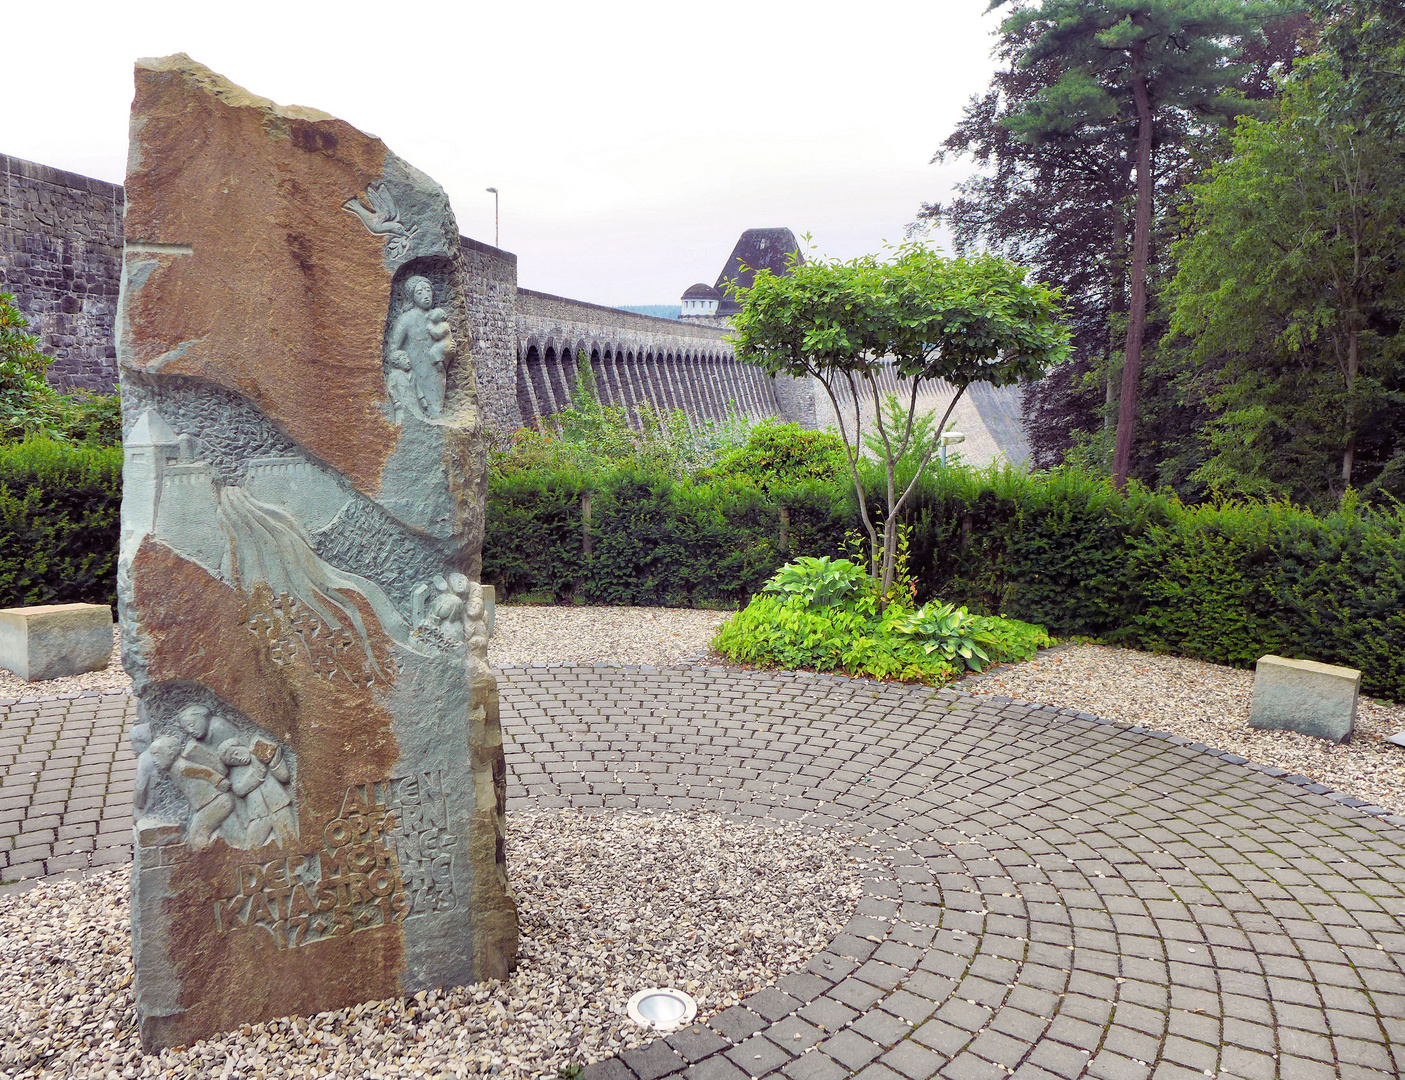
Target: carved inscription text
[(388, 856)]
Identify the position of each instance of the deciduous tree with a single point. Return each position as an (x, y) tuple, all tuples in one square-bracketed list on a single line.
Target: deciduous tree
[(1292, 285), (960, 320)]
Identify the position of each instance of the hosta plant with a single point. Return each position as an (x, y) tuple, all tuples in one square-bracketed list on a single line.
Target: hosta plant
[(823, 614)]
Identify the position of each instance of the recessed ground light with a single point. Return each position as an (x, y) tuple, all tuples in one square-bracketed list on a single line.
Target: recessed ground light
[(662, 1010)]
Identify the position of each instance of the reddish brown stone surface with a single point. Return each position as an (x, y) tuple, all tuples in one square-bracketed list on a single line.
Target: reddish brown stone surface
[(247, 187), (320, 779)]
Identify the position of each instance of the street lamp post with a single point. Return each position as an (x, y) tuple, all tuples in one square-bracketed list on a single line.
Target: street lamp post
[(497, 242)]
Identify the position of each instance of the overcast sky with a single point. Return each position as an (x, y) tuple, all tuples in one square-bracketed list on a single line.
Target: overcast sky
[(631, 142)]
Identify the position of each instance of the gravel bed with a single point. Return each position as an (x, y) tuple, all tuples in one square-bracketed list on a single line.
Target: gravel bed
[(524, 634), (1207, 703), (609, 904)]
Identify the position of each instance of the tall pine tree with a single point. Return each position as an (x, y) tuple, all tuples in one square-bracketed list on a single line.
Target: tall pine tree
[(1130, 64)]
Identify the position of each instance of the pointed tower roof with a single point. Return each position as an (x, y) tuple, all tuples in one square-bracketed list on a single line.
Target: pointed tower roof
[(151, 429), (757, 249)]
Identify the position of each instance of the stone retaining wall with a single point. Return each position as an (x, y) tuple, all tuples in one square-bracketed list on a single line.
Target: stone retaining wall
[(60, 255)]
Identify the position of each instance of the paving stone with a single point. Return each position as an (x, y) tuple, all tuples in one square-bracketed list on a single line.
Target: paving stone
[(697, 1042), (856, 994), (794, 1035), (653, 1061), (815, 1066), (772, 1003), (1282, 898), (758, 1055), (737, 1023), (827, 1013), (913, 1060), (715, 1068), (882, 1027), (851, 1049)]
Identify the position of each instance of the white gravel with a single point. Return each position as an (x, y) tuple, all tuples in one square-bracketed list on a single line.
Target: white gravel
[(609, 904), (1206, 703), (525, 634), (522, 634)]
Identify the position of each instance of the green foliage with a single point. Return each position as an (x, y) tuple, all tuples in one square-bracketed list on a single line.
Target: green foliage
[(822, 581), (1291, 291), (958, 320), (59, 519), (922, 444), (772, 631), (1226, 582), (823, 614), (1011, 639), (590, 435), (30, 406), (780, 453), (945, 629)]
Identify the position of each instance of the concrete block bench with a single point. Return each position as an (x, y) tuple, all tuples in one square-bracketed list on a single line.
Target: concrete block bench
[(53, 640), (1305, 696)]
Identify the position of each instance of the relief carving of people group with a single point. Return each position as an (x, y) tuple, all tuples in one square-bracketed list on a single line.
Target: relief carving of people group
[(236, 787), (450, 612)]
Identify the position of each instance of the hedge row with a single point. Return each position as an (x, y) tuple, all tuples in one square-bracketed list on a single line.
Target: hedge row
[(1221, 583), (60, 511)]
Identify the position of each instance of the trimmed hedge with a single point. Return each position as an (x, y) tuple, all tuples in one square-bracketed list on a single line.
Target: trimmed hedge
[(60, 511), (1224, 583)]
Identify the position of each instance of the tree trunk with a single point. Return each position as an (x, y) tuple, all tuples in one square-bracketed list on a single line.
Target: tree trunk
[(1353, 365), (1141, 246), (1117, 300)]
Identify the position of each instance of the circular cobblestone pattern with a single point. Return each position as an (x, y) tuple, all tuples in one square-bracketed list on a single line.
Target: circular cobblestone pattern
[(1073, 898)]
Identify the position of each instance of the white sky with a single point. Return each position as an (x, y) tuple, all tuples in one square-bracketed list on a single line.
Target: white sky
[(631, 142)]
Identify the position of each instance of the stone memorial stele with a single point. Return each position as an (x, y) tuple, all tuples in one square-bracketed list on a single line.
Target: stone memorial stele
[(320, 779)]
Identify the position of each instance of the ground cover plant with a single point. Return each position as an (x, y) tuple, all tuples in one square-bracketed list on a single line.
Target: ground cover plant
[(825, 614)]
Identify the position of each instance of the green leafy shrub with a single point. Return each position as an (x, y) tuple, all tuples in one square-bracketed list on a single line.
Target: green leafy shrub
[(1061, 550), (777, 454), (824, 614), (593, 436), (823, 581), (30, 406), (943, 628), (60, 509), (776, 632)]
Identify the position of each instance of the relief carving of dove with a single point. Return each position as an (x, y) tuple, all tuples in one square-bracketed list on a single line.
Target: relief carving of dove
[(383, 218)]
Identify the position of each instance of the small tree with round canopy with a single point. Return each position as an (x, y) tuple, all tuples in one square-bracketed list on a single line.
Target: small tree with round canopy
[(965, 320)]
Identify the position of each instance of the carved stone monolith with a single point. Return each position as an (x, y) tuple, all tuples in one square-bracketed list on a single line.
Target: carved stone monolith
[(320, 779)]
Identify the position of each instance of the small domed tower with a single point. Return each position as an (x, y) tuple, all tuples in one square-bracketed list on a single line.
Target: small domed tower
[(700, 302)]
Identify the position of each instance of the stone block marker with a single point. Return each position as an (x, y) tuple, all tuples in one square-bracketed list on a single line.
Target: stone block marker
[(1305, 696), (53, 640), (320, 781)]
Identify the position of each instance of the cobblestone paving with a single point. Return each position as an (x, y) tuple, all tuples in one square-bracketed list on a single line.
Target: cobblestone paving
[(65, 785), (1071, 898)]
